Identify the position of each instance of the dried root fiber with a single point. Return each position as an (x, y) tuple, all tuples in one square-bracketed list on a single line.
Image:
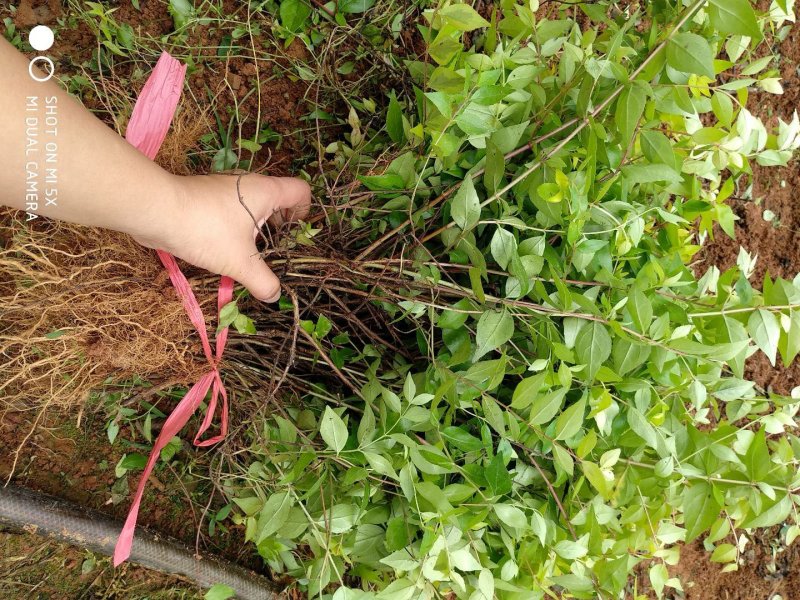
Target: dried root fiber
[(80, 305)]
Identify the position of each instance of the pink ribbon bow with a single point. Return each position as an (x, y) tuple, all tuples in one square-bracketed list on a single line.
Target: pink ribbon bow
[(147, 129)]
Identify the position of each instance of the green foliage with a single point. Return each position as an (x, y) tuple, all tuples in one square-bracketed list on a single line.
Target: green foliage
[(182, 12), (220, 591), (11, 33), (294, 14), (116, 37), (229, 315), (582, 405)]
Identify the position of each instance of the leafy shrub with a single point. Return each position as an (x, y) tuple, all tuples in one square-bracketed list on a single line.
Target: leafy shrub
[(579, 403)]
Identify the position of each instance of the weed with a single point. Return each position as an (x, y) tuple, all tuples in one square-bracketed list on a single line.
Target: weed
[(564, 397)]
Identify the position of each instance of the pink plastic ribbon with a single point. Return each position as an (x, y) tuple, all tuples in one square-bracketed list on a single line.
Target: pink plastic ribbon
[(147, 129)]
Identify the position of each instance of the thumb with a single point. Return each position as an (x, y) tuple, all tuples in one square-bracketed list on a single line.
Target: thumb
[(254, 274), (278, 199)]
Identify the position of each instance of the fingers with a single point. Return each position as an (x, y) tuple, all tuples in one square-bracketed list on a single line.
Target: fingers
[(254, 274), (290, 199), (279, 200)]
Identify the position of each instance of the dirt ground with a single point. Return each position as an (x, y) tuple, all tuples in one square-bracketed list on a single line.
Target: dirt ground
[(78, 464), (767, 568), (775, 242), (36, 569)]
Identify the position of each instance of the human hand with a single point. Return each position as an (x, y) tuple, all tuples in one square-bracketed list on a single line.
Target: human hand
[(211, 229)]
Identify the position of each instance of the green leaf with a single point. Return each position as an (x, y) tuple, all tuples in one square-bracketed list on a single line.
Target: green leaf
[(570, 421), (527, 390), (294, 14), (463, 17), (563, 460), (220, 591), (658, 575), (387, 181), (498, 477), (380, 464), (224, 160), (595, 476), (724, 553), (323, 327), (572, 550), (399, 589), (171, 448), (227, 315), (494, 168), (756, 459), (333, 430), (465, 207), (642, 427), (444, 48), (494, 329), (366, 426), (249, 145), (511, 516), (112, 431), (487, 374), (182, 12), (455, 319), (690, 53), (700, 508), (444, 79), (250, 506), (346, 68), (394, 120), (396, 534), (545, 407), (133, 461), (493, 414), (351, 7), (244, 324), (592, 347), (503, 247), (462, 440), (772, 513), (657, 148), (734, 16), (341, 518), (791, 346), (764, 328), (649, 173), (295, 524), (273, 515), (641, 310), (628, 356), (630, 107), (722, 106)]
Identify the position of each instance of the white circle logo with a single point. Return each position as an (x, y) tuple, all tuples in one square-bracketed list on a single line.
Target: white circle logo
[(48, 73), (41, 38)]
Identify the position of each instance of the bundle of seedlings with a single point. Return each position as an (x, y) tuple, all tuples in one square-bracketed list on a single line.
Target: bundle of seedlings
[(494, 370)]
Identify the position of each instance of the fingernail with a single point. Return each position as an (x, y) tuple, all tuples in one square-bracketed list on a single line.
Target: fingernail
[(275, 298)]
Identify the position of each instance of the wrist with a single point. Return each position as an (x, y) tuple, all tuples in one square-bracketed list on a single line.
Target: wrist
[(161, 217)]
